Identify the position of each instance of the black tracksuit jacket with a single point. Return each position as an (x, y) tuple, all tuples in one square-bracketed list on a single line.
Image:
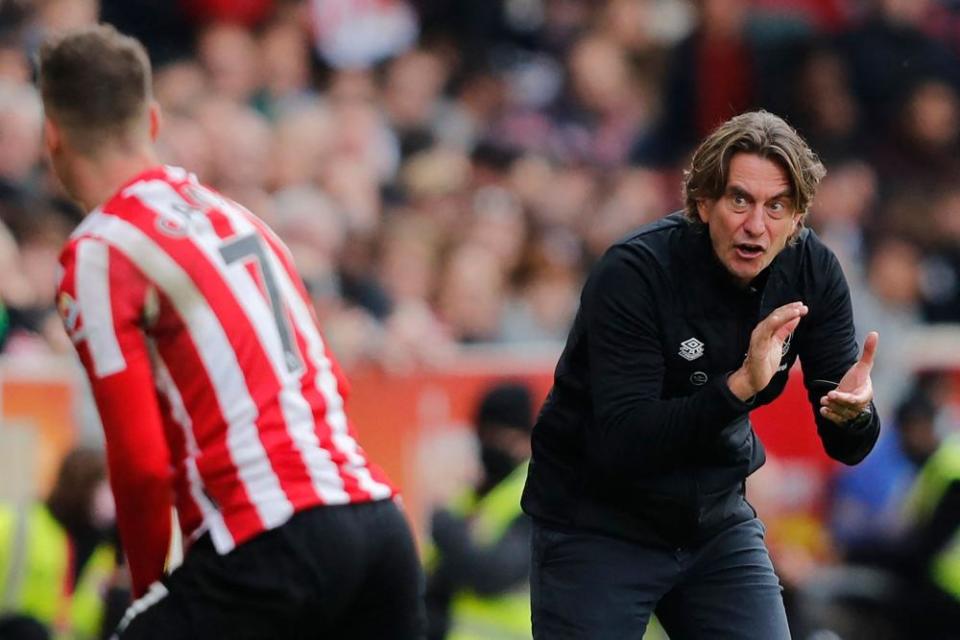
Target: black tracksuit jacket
[(640, 437)]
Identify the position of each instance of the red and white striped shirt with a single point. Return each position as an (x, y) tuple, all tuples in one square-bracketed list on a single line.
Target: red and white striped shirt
[(171, 285)]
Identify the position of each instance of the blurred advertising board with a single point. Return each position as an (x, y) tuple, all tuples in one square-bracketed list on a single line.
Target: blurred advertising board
[(416, 424), (38, 422)]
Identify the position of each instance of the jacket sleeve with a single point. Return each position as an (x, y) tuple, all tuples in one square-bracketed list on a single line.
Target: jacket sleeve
[(101, 301), (633, 427), (486, 569), (827, 351)]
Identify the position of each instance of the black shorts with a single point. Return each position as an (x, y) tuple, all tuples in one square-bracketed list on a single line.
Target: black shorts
[(346, 571)]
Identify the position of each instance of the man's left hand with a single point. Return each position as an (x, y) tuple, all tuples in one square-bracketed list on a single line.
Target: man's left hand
[(855, 391)]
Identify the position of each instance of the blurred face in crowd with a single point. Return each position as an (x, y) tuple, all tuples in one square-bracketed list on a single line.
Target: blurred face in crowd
[(946, 216), (240, 139), (845, 195), (408, 258), (14, 65), (471, 293), (600, 75), (301, 140), (893, 272), (722, 18), (905, 11), (414, 82), (754, 218), (21, 124), (184, 142), (552, 295), (179, 86), (636, 198), (64, 15), (498, 224), (827, 97), (285, 55), (933, 116), (229, 54)]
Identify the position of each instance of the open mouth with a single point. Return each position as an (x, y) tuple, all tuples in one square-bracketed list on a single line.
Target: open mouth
[(748, 251)]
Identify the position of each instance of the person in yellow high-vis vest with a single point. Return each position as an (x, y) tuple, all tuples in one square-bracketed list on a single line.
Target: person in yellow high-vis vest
[(934, 504), (56, 560), (479, 564), (920, 566)]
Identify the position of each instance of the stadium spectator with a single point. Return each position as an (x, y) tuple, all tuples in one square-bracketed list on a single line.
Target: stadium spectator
[(712, 74), (825, 108), (229, 54), (889, 52), (889, 293), (941, 264), (642, 448), (214, 386), (359, 133), (20, 129), (285, 63)]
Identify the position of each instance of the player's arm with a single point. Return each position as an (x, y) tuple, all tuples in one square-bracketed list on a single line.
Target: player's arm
[(102, 303)]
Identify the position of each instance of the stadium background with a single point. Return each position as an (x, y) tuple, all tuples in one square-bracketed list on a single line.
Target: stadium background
[(447, 171)]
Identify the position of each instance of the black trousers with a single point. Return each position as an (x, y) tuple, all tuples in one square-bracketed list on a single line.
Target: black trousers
[(594, 587), (346, 571)]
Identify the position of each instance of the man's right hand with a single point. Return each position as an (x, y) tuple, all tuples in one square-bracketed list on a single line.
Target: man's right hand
[(763, 357)]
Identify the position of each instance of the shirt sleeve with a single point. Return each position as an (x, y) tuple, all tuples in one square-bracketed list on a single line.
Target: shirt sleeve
[(101, 299), (633, 426), (827, 351)]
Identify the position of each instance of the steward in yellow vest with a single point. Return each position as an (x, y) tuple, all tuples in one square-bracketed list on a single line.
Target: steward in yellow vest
[(478, 569), (934, 503), (923, 562), (55, 564)]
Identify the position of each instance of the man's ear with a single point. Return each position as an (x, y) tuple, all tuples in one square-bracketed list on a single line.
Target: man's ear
[(703, 210), (156, 119), (52, 137)]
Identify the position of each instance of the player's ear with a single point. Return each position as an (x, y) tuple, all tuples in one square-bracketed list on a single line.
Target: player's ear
[(155, 120), (52, 137)]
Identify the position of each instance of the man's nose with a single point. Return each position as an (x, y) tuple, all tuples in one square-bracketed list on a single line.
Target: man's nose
[(754, 224)]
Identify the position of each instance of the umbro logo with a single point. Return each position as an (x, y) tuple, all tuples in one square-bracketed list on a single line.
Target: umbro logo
[(691, 349)]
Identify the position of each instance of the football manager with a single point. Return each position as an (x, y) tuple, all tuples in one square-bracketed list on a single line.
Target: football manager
[(642, 449)]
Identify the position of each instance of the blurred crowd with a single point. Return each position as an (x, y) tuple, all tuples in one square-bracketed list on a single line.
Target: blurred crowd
[(445, 172)]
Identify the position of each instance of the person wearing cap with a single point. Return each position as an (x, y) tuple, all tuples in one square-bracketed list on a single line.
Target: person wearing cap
[(479, 566)]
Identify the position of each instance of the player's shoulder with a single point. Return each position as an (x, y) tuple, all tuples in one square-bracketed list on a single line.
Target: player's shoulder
[(89, 230), (157, 205), (150, 193)]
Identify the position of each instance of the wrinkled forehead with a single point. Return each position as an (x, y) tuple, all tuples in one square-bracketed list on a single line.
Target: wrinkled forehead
[(761, 177)]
